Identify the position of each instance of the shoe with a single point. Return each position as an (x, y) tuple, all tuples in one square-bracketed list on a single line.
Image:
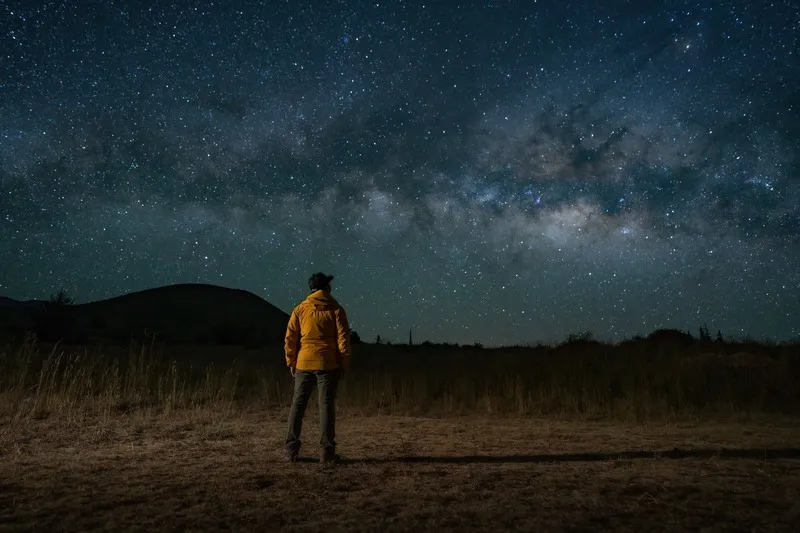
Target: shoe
[(329, 457)]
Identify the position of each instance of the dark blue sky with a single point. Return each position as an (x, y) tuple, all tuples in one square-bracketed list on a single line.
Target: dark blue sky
[(502, 172)]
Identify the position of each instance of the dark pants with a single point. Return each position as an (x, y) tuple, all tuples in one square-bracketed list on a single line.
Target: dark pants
[(304, 382)]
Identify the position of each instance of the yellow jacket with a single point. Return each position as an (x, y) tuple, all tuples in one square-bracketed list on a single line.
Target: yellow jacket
[(318, 334)]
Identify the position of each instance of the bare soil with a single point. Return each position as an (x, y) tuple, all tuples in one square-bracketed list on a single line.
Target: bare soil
[(215, 470)]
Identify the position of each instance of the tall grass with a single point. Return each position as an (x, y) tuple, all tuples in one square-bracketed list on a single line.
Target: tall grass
[(37, 380), (631, 381)]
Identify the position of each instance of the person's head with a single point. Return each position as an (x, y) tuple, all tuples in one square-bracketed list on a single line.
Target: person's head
[(319, 282)]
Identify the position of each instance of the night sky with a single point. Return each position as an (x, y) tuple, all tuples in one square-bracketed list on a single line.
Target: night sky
[(499, 172)]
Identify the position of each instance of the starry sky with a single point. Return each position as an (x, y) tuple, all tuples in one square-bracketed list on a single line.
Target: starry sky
[(503, 172)]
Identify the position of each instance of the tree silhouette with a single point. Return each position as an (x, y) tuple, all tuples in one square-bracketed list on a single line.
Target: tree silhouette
[(704, 335), (61, 298)]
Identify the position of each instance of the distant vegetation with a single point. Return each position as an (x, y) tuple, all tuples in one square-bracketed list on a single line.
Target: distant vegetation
[(185, 346), (667, 374)]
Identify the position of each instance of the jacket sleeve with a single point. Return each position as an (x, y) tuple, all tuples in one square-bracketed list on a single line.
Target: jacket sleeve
[(343, 331), (291, 345)]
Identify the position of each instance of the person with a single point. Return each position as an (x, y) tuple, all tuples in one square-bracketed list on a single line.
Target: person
[(318, 352)]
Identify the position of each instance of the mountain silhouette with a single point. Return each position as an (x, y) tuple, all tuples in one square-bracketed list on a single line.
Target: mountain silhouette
[(184, 313), (6, 303)]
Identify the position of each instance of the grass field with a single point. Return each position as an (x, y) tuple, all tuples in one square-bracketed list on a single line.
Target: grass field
[(631, 381), (637, 437)]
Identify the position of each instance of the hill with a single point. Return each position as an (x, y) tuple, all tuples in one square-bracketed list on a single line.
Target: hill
[(6, 303), (184, 313)]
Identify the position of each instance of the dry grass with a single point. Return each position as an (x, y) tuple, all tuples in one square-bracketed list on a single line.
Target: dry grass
[(213, 470), (635, 381), (583, 437)]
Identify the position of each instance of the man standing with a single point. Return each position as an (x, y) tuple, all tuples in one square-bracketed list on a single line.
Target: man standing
[(317, 347)]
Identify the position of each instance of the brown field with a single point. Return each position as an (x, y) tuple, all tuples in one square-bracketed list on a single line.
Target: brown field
[(649, 435), (214, 469)]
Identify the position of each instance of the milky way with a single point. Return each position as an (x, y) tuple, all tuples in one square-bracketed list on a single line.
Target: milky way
[(498, 172)]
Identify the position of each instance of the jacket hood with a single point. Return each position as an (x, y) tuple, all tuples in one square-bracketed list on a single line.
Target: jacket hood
[(321, 300)]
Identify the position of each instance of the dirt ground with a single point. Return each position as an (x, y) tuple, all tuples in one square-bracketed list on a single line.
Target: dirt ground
[(217, 470)]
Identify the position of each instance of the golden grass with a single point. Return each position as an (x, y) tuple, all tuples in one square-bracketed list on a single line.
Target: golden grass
[(207, 469), (629, 382)]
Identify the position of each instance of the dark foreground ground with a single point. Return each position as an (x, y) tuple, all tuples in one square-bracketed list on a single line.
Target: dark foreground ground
[(216, 470)]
